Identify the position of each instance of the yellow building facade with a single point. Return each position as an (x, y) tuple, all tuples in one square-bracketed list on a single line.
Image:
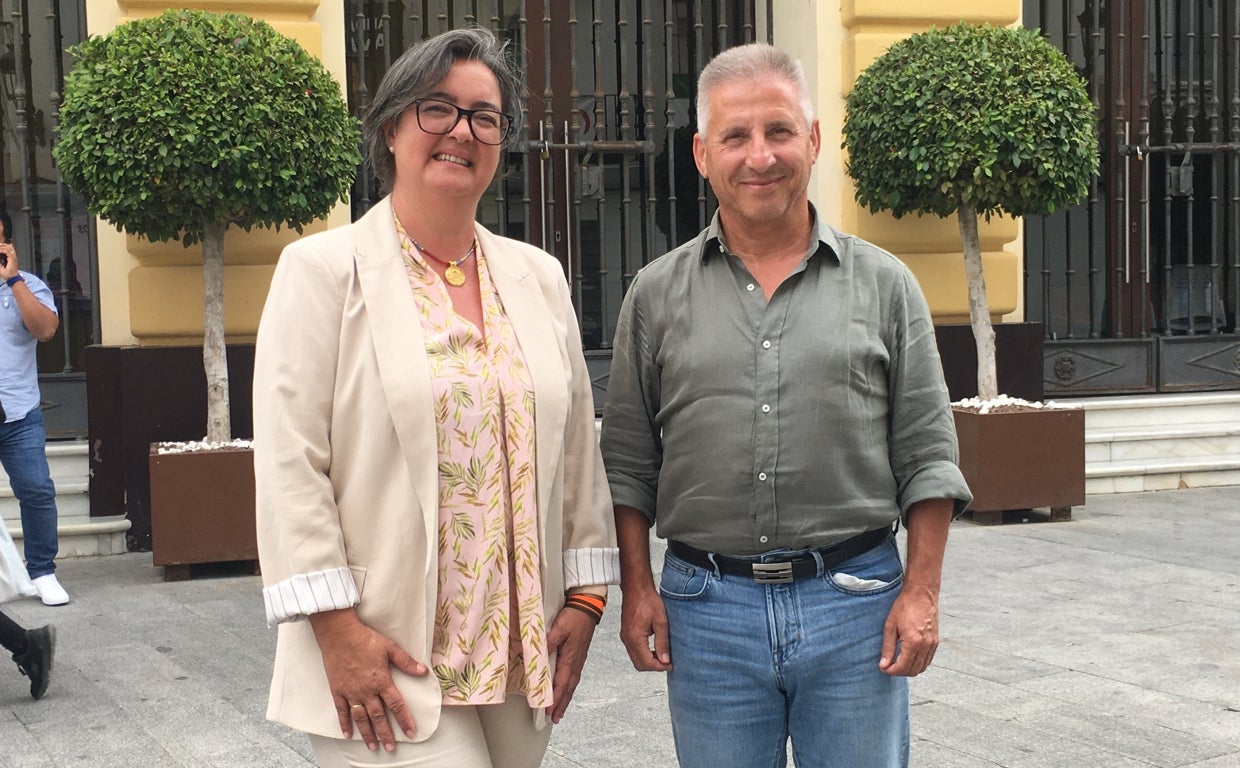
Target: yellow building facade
[(836, 41), (151, 294)]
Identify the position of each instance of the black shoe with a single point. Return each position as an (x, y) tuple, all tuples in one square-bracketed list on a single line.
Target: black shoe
[(36, 661)]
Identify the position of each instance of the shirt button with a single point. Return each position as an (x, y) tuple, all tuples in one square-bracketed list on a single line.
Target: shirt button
[(766, 409), (766, 345), (749, 287), (762, 539), (762, 476)]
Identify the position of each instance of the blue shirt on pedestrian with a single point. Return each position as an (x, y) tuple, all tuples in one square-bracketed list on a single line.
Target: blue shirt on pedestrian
[(19, 375)]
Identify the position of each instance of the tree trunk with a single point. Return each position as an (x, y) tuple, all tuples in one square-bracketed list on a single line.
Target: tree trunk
[(979, 310), (214, 355)]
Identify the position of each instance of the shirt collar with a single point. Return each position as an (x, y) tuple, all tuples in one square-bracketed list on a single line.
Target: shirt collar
[(825, 236)]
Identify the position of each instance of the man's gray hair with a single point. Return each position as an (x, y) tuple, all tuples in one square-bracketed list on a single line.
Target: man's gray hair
[(418, 70), (755, 61)]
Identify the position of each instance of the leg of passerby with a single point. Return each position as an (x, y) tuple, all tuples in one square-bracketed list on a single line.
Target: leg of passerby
[(12, 634), (23, 451), (32, 650)]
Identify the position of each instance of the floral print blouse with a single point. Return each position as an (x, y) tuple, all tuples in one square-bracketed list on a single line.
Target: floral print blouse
[(490, 634)]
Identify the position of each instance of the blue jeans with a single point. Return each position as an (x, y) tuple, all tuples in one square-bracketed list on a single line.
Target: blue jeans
[(754, 665), (23, 453)]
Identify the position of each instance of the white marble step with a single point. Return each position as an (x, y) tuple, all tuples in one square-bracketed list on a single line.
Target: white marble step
[(83, 535), (72, 500), (1135, 476), (80, 534), (70, 469), (67, 462), (1161, 442), (1108, 413)]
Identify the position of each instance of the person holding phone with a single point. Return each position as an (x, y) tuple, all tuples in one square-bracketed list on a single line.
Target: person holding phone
[(27, 316)]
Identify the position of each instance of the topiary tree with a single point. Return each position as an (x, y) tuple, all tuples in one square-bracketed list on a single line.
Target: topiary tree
[(971, 120), (179, 126)]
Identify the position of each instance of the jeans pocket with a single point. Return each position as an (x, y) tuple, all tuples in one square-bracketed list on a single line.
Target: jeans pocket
[(682, 581), (871, 573), (848, 581)]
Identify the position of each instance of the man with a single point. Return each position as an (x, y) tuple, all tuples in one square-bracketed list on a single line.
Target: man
[(27, 316), (775, 405)]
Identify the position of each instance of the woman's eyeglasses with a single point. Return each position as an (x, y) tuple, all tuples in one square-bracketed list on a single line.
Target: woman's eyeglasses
[(440, 117)]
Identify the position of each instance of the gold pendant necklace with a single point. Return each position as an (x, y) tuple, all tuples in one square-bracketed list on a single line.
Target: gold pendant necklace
[(453, 273)]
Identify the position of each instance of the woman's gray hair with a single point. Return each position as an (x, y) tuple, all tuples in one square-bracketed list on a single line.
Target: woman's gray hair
[(418, 70), (755, 61)]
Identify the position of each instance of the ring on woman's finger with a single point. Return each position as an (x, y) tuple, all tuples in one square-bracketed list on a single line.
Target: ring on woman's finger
[(356, 706)]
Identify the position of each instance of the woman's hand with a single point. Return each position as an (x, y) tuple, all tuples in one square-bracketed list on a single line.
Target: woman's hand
[(569, 639), (358, 661)]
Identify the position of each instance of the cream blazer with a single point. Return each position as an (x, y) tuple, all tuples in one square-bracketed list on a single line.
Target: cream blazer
[(345, 457)]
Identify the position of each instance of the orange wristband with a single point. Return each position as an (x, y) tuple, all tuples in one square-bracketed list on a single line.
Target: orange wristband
[(589, 604)]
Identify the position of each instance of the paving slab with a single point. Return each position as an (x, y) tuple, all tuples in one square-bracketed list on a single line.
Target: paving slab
[(1108, 641)]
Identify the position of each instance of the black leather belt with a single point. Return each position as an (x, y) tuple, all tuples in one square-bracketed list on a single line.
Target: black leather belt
[(781, 571)]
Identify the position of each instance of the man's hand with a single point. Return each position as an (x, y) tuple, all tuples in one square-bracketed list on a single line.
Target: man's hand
[(358, 662), (642, 617), (911, 631), (40, 321), (569, 639), (8, 255)]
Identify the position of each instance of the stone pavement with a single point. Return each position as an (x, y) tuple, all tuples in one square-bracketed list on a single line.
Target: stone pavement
[(1109, 641)]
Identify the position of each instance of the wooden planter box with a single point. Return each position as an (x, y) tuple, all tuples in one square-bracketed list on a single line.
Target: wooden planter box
[(202, 508), (1023, 460)]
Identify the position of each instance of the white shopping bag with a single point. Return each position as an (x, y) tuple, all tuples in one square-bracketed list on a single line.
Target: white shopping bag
[(14, 581)]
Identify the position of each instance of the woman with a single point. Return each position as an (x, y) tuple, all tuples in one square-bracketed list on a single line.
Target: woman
[(430, 492)]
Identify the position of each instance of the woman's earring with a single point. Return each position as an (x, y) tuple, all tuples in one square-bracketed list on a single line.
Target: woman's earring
[(392, 150)]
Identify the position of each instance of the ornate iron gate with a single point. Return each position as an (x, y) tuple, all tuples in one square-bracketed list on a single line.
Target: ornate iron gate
[(1139, 288), (52, 230), (604, 176)]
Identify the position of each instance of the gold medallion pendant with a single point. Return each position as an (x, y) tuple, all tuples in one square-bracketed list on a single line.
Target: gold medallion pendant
[(452, 273)]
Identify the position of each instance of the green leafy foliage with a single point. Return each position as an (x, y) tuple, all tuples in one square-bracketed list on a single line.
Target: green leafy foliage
[(989, 118), (172, 122)]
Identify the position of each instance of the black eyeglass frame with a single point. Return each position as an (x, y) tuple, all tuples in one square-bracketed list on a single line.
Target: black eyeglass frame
[(468, 114)]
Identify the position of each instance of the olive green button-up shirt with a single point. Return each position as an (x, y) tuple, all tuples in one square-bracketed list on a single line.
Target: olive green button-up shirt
[(739, 425)]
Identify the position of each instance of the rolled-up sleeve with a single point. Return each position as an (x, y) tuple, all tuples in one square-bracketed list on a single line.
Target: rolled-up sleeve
[(300, 543), (297, 597), (590, 557), (924, 452), (631, 443)]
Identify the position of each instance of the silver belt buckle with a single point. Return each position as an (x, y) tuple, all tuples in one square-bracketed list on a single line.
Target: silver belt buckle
[(772, 573)]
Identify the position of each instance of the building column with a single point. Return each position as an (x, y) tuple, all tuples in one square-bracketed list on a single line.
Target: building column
[(835, 41), (151, 294)]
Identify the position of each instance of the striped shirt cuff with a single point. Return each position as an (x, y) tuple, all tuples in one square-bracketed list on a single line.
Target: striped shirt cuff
[(296, 598), (591, 566)]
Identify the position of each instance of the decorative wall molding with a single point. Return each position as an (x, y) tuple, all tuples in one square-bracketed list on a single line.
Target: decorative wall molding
[(265, 9)]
